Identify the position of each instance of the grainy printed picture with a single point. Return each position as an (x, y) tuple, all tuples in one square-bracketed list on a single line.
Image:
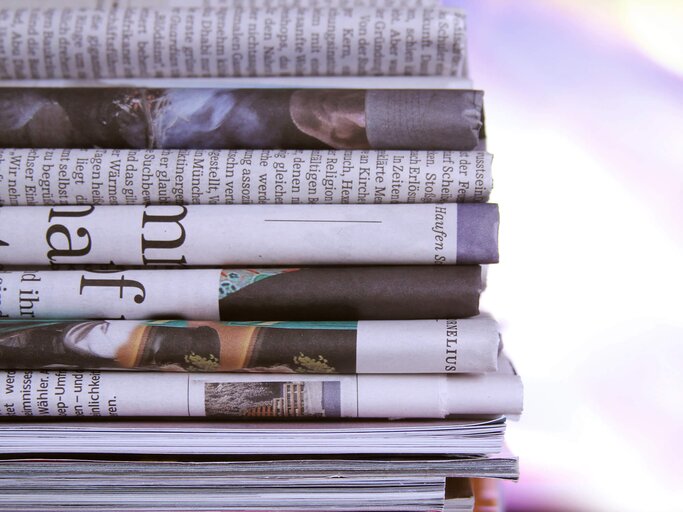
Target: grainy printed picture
[(241, 118), (179, 345), (273, 399)]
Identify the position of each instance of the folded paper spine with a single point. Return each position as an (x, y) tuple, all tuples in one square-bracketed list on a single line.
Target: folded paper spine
[(208, 235), (45, 177), (246, 294), (50, 393), (230, 42), (364, 347), (225, 118)]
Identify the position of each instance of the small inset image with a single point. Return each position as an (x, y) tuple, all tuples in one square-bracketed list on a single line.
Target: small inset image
[(273, 399)]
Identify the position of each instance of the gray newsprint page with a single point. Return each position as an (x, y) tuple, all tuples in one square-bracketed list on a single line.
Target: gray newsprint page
[(57, 42), (34, 177), (68, 393), (288, 235), (195, 118)]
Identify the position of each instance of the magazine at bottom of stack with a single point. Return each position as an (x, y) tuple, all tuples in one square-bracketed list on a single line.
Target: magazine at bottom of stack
[(189, 465), (281, 493), (107, 485), (342, 484)]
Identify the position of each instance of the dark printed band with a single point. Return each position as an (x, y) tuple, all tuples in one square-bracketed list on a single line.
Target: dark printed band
[(241, 118), (180, 346), (358, 293)]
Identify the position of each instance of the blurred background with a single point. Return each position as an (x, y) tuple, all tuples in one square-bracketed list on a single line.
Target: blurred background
[(584, 107)]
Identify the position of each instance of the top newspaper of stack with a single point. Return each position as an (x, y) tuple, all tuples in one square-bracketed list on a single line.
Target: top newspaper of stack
[(91, 39)]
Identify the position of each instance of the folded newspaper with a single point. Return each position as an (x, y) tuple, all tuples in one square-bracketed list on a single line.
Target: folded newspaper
[(35, 177), (314, 293), (209, 235), (398, 346), (86, 43), (67, 393), (241, 118), (265, 439)]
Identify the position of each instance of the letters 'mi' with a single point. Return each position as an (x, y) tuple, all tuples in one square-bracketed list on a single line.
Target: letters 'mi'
[(151, 244)]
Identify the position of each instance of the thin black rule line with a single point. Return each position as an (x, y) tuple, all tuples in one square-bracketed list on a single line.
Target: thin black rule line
[(324, 220)]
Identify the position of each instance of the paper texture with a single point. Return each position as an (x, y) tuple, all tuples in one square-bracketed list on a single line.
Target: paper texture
[(252, 437), (33, 177), (107, 4), (119, 493), (206, 235), (264, 466), (408, 346), (132, 294), (241, 118), (321, 293), (238, 41), (257, 82), (50, 393)]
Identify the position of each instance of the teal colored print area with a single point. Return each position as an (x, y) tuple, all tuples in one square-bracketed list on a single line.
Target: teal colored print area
[(233, 280)]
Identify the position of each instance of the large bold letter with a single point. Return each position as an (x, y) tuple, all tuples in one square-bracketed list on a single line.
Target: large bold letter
[(163, 244), (69, 251), (116, 283)]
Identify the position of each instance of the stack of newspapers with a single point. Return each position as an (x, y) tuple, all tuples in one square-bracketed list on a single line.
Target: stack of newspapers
[(243, 245)]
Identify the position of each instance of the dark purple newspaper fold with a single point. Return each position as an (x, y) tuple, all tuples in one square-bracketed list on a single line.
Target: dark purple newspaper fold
[(241, 118)]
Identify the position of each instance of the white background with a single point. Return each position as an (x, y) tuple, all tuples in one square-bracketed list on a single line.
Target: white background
[(584, 108)]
